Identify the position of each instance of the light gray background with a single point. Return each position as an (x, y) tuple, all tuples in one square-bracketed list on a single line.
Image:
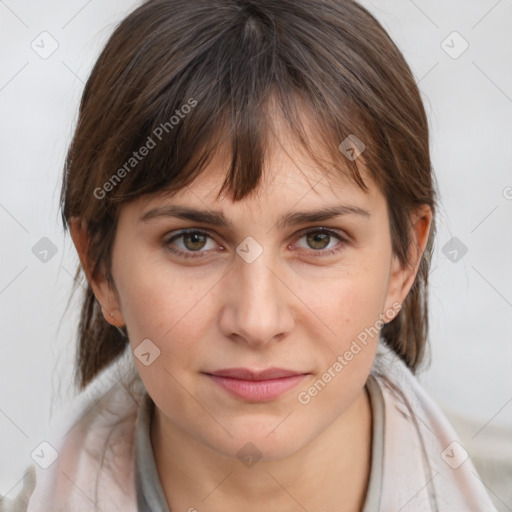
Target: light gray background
[(469, 103)]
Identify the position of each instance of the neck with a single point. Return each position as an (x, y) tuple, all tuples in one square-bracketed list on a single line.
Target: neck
[(329, 473)]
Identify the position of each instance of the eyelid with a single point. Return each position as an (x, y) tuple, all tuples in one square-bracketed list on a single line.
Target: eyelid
[(177, 234), (343, 237), (343, 240)]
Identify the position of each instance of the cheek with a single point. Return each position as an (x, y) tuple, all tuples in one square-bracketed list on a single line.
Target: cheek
[(152, 296), (350, 306), (173, 313), (351, 302), (163, 306)]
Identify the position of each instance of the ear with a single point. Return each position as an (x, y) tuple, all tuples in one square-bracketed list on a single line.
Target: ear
[(401, 277), (104, 291)]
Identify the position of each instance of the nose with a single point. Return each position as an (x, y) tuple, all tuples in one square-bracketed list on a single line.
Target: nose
[(257, 303)]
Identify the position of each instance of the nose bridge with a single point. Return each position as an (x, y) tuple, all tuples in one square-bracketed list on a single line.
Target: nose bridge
[(259, 304)]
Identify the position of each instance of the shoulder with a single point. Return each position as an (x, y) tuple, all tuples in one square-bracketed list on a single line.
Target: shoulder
[(95, 450), (425, 466), (20, 502)]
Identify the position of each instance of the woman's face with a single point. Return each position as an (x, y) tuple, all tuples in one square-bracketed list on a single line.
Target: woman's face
[(256, 285)]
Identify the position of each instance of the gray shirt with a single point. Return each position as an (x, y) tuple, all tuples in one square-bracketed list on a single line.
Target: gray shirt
[(150, 494)]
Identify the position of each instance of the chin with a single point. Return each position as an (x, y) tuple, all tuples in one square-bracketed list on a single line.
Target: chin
[(263, 443)]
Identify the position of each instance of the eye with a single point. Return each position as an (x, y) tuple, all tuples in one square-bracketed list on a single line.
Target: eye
[(192, 241), (320, 240), (195, 243)]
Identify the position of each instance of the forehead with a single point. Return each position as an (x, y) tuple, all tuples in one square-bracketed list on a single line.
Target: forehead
[(287, 191), (285, 173), (291, 173), (288, 170)]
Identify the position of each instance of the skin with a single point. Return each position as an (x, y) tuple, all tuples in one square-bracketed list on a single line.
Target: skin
[(292, 307)]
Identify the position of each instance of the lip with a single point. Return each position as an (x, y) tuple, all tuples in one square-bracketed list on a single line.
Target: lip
[(256, 386), (247, 374)]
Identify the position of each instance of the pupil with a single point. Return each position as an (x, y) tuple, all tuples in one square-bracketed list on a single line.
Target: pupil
[(195, 238), (319, 238)]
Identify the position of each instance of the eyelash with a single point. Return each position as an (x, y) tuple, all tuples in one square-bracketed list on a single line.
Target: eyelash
[(198, 254)]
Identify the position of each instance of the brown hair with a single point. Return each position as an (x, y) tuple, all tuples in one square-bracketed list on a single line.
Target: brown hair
[(191, 73)]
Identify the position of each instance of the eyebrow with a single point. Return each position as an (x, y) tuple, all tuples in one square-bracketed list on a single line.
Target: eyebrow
[(217, 218)]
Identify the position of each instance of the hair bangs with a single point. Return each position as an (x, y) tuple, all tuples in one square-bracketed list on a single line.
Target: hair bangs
[(233, 93)]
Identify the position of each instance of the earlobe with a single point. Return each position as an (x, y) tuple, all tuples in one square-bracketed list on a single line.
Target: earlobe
[(102, 288), (111, 318)]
